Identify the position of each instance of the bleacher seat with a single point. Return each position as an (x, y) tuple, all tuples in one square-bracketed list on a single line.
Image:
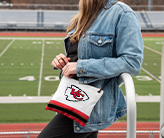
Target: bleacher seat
[(58, 20)]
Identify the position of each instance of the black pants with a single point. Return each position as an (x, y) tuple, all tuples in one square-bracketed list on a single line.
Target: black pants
[(62, 127)]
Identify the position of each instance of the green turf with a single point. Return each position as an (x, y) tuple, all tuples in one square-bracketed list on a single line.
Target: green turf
[(29, 52), (22, 60), (152, 62), (3, 45), (150, 86), (154, 43), (146, 112), (52, 48), (14, 113)]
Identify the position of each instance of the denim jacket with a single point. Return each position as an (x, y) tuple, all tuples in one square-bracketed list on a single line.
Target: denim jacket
[(112, 45)]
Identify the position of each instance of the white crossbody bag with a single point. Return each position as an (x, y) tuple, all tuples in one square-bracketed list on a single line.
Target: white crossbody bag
[(75, 100)]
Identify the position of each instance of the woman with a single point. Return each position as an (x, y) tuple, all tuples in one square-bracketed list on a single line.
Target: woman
[(104, 40)]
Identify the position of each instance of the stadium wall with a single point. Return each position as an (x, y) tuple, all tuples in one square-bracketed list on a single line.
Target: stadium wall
[(57, 20), (129, 2)]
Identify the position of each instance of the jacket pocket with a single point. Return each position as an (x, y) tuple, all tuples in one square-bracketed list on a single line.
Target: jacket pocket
[(100, 45)]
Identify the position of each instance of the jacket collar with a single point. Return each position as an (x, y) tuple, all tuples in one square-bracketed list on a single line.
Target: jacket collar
[(110, 3)]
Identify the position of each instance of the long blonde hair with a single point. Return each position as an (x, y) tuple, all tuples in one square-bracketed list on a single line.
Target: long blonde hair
[(88, 9)]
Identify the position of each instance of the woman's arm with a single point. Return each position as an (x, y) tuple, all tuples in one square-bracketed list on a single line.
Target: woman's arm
[(129, 49)]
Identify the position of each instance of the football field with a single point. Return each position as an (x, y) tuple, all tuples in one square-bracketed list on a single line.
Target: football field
[(26, 70), (25, 66)]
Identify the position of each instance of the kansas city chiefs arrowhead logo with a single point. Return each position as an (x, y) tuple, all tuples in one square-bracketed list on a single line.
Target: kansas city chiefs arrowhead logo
[(75, 94)]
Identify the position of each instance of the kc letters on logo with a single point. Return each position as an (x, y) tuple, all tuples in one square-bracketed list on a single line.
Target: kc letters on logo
[(75, 94)]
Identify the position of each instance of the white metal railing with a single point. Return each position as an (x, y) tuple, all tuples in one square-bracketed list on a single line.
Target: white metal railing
[(162, 96), (131, 103)]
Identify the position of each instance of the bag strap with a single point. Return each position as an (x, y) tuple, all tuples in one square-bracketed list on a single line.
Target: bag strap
[(104, 85)]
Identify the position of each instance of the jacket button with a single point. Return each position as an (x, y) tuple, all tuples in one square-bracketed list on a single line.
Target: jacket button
[(78, 128), (83, 35), (81, 71), (100, 41)]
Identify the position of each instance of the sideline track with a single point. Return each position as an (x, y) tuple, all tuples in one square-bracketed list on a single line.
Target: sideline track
[(143, 129), (58, 34), (32, 34)]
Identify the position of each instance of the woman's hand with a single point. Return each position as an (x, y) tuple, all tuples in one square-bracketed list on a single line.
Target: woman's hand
[(60, 61), (70, 69)]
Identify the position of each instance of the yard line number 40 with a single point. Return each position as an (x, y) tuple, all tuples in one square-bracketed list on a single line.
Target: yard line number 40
[(56, 78), (32, 78)]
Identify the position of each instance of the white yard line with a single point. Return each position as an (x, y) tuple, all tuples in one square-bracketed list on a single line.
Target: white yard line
[(151, 75), (41, 69), (6, 47), (159, 53), (153, 50), (152, 39)]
